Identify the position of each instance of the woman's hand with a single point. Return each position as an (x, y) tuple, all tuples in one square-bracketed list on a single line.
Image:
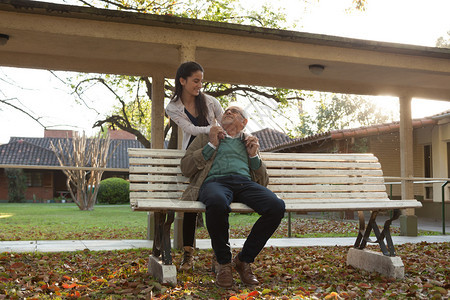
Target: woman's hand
[(216, 133)]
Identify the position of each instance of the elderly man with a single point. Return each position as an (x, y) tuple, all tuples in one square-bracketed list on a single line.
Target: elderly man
[(223, 167)]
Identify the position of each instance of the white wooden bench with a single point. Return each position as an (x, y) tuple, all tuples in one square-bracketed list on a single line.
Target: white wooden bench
[(306, 182)]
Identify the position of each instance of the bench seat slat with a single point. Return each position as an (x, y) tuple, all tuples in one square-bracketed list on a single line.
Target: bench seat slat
[(296, 201), (291, 197), (192, 206)]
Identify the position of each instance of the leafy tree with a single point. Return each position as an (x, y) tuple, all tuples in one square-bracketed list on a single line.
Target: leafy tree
[(134, 93), (444, 42), (17, 185), (340, 111)]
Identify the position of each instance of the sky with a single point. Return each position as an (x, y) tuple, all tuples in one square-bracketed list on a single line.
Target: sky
[(401, 21)]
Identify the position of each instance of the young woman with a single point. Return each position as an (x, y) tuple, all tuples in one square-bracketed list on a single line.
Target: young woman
[(195, 113)]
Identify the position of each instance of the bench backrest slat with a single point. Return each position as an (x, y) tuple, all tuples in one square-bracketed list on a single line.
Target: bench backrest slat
[(322, 165), (306, 196)]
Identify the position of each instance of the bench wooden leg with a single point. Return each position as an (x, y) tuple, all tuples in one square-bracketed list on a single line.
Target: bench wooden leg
[(387, 247), (161, 244)]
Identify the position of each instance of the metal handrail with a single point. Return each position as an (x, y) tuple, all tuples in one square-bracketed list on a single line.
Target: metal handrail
[(445, 181)]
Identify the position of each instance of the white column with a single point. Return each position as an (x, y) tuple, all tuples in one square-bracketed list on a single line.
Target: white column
[(408, 221), (406, 147)]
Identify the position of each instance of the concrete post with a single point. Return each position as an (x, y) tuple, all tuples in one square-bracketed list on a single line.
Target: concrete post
[(157, 139), (158, 112), (408, 221)]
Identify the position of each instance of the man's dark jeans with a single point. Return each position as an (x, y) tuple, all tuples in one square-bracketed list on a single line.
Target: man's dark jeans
[(218, 193)]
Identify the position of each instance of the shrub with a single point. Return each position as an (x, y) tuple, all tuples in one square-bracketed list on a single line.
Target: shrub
[(17, 185), (114, 191)]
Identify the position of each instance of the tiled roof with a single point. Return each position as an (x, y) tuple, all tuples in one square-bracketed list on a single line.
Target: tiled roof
[(441, 115), (37, 151), (119, 158), (41, 142), (377, 129), (22, 152), (269, 138), (356, 132)]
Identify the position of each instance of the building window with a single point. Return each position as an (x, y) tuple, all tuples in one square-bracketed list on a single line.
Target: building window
[(34, 179), (428, 192), (428, 161)]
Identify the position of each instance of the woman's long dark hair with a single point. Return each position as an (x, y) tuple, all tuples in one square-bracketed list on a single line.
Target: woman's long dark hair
[(184, 71)]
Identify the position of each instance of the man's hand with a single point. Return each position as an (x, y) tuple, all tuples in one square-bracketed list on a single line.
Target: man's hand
[(252, 144), (216, 133)]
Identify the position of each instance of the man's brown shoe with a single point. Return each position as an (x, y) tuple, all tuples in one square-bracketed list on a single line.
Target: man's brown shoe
[(224, 276), (245, 272)]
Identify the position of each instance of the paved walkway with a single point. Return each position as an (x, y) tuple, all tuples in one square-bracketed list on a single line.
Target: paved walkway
[(99, 245)]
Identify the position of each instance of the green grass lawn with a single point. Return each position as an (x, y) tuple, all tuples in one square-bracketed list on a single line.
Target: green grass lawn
[(64, 221)]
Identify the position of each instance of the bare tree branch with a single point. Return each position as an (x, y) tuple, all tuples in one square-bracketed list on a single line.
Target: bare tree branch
[(36, 119), (81, 152)]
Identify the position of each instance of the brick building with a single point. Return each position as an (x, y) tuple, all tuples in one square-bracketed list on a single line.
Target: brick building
[(44, 183)]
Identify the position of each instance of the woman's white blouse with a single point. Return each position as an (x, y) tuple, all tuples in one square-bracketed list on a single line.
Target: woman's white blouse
[(175, 110)]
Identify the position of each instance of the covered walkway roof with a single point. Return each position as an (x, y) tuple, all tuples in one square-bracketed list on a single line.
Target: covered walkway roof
[(62, 37)]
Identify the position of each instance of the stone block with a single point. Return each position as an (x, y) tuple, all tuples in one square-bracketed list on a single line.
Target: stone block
[(163, 273), (371, 261)]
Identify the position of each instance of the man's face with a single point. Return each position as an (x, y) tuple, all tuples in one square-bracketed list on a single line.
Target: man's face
[(233, 116)]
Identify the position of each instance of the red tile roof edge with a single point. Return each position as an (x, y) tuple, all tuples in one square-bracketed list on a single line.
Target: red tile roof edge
[(355, 132)]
